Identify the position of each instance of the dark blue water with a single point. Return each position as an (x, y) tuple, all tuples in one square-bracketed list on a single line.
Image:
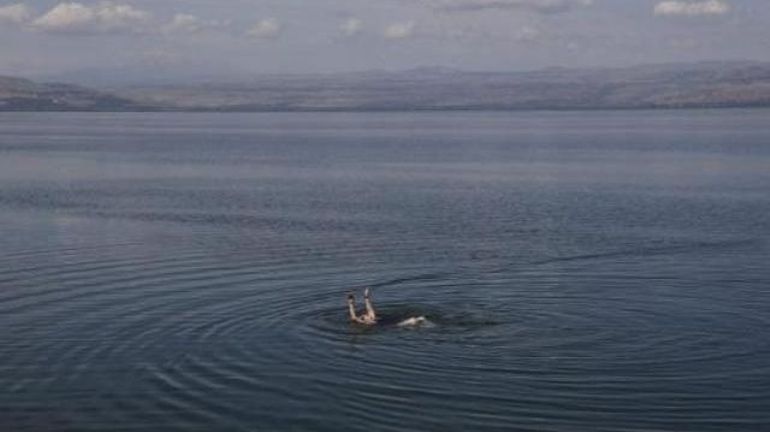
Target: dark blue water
[(600, 271)]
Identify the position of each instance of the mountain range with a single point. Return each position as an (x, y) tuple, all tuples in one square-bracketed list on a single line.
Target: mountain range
[(18, 94), (686, 85)]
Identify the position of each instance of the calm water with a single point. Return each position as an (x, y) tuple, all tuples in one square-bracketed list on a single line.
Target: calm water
[(585, 271)]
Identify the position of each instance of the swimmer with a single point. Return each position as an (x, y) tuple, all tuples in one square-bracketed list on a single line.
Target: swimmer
[(369, 317)]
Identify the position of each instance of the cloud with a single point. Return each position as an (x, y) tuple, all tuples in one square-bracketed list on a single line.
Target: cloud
[(184, 23), (351, 27), (187, 23), (15, 14), (268, 28), (691, 8), (539, 6), (403, 30), (77, 18)]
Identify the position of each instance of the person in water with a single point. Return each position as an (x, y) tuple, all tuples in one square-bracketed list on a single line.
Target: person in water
[(369, 316)]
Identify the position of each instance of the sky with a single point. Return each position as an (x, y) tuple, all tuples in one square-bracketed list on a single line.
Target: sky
[(49, 37)]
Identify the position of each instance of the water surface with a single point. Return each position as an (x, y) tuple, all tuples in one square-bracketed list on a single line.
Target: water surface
[(598, 271)]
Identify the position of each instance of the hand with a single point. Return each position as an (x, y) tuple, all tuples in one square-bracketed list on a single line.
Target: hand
[(366, 292)]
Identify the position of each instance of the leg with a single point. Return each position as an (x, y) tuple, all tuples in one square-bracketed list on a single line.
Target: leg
[(369, 308), (352, 307)]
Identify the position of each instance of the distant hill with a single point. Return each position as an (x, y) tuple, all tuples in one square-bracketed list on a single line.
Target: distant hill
[(18, 94), (696, 85), (654, 86)]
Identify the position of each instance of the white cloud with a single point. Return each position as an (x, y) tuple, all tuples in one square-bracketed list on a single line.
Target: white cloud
[(540, 6), (67, 17), (187, 23), (78, 18), (15, 14), (691, 8), (352, 27), (184, 23), (268, 28), (403, 30)]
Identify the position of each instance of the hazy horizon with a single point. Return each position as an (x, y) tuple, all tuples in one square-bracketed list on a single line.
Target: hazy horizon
[(193, 38)]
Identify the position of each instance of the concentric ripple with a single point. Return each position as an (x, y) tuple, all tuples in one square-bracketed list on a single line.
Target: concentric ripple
[(197, 341)]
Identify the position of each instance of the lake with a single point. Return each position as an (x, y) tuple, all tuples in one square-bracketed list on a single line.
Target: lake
[(581, 271)]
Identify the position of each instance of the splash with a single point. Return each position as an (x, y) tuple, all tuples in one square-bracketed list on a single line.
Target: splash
[(418, 321)]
